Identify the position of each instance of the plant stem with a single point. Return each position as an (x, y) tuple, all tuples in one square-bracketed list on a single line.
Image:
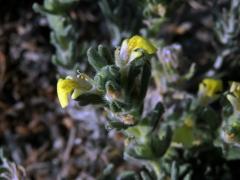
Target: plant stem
[(156, 167)]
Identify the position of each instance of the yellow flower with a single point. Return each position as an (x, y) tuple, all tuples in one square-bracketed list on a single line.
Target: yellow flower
[(138, 42), (210, 87), (234, 97), (129, 48), (74, 86)]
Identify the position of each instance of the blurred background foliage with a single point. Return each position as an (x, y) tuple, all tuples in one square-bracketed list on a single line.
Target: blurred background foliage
[(42, 41)]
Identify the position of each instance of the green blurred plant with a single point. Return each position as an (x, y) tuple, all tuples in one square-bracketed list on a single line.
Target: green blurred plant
[(118, 14), (64, 34), (157, 139), (187, 135), (120, 85), (170, 70), (154, 15), (227, 30), (146, 16)]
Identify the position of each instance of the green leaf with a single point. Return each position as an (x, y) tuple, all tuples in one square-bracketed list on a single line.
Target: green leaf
[(116, 125), (96, 61), (174, 171), (89, 98), (53, 7), (145, 175), (139, 151), (233, 153), (109, 73), (156, 114), (206, 116), (105, 53), (127, 175), (159, 145), (3, 170), (184, 135), (114, 106), (131, 82), (145, 78), (143, 151)]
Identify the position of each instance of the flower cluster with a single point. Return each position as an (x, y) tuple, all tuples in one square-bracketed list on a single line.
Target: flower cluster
[(107, 77), (120, 85)]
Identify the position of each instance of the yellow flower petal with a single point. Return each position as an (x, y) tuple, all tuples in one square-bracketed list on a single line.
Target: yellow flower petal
[(76, 93), (72, 85), (64, 88), (210, 87), (138, 42), (134, 55)]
